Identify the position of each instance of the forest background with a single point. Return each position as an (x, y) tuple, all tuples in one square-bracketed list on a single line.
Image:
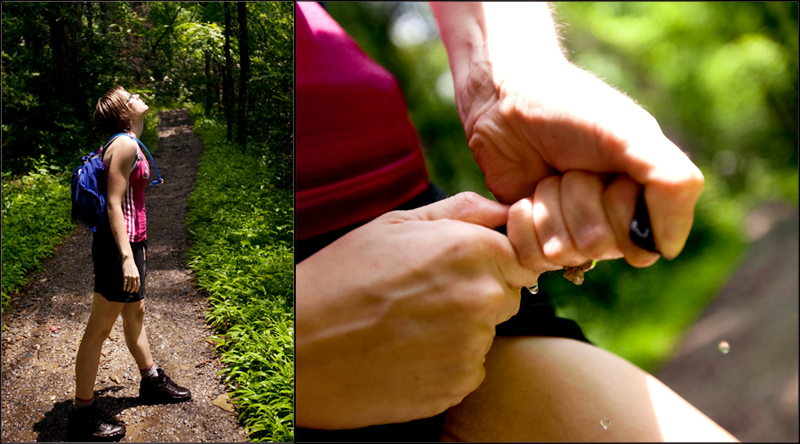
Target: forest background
[(721, 79), (232, 65)]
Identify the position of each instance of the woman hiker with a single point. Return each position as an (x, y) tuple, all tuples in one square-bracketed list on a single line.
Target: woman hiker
[(119, 253)]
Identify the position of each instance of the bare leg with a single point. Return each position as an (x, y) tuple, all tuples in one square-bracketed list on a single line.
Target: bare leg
[(135, 335), (556, 389), (101, 321)]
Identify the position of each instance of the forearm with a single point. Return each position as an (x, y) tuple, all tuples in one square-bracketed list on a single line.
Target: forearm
[(485, 42), (328, 332), (118, 229)]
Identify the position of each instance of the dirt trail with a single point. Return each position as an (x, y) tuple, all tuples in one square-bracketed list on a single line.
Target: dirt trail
[(38, 365), (752, 389)]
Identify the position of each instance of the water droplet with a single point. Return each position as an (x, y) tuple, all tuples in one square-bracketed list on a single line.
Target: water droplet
[(724, 347), (604, 423), (533, 289)]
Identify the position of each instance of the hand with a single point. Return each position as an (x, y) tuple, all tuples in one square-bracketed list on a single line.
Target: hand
[(574, 218), (530, 127), (394, 319), (130, 275)]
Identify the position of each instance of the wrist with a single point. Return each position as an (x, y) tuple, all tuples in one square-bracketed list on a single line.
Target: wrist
[(489, 42), (493, 88)]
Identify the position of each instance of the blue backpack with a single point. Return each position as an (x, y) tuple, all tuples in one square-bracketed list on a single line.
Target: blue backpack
[(88, 190)]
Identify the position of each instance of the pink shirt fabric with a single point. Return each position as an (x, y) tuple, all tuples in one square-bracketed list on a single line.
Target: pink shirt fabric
[(357, 153), (133, 202)]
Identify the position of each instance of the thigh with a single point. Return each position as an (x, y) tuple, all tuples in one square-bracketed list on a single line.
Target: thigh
[(556, 389), (104, 313)]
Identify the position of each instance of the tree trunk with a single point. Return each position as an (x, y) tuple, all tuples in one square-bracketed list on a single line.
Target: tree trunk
[(244, 60), (227, 82), (209, 92), (64, 20), (218, 76)]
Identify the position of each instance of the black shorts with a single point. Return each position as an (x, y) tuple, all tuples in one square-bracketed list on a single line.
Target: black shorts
[(108, 280), (536, 317)]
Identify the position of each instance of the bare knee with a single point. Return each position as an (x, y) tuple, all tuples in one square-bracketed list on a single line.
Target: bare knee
[(555, 389), (133, 313), (98, 330)]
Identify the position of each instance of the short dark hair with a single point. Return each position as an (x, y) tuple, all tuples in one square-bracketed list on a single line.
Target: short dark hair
[(112, 114)]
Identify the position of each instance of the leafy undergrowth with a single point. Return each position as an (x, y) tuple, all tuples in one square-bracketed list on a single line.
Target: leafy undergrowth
[(37, 215), (240, 222)]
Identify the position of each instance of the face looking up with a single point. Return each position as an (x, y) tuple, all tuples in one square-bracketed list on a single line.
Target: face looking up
[(136, 104)]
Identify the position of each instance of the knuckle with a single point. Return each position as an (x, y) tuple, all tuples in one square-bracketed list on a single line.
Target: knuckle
[(520, 210), (530, 255), (574, 177), (550, 182), (460, 247), (529, 259), (593, 239), (466, 201), (557, 250), (469, 197), (486, 300)]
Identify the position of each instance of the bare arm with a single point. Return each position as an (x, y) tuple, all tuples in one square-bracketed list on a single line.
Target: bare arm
[(119, 158), (487, 41), (529, 114)]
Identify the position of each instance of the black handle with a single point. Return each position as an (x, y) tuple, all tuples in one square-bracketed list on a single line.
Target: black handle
[(641, 232)]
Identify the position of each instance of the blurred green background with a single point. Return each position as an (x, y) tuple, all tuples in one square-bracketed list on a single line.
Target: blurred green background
[(721, 79)]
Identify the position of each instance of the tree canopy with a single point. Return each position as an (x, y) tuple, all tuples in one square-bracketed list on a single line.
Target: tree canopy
[(60, 58)]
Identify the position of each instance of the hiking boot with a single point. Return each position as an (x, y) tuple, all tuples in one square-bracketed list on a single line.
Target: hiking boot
[(160, 389), (90, 424)]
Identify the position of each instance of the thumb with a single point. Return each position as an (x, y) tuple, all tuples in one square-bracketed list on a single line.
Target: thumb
[(474, 209), (672, 186), (465, 207)]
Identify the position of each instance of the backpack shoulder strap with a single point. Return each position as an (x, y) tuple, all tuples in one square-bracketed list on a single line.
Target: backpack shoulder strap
[(110, 139), (155, 182), (102, 148)]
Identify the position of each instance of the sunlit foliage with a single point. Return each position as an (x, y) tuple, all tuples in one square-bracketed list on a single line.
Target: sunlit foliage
[(240, 223), (59, 58)]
